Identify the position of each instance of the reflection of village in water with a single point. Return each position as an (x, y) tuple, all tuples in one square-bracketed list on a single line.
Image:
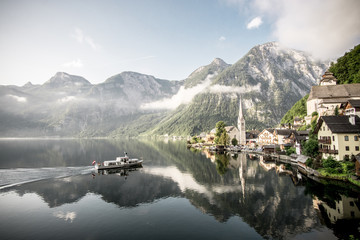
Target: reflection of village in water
[(338, 211), (270, 198)]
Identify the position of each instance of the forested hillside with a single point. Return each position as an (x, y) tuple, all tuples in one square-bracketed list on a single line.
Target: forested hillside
[(298, 110), (347, 68)]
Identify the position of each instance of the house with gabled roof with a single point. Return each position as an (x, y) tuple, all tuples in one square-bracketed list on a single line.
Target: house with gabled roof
[(351, 107), (281, 135), (266, 137), (338, 136)]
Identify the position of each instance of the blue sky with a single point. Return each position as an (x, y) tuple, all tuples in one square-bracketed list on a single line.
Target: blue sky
[(165, 38)]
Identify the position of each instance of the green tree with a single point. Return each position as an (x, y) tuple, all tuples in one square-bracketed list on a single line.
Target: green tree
[(234, 141), (290, 150), (347, 68), (311, 147), (224, 139), (195, 139), (220, 129)]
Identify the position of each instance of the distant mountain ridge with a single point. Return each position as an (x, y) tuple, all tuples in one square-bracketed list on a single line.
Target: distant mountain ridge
[(269, 78)]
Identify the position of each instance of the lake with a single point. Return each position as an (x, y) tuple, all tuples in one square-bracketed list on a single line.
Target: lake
[(49, 190)]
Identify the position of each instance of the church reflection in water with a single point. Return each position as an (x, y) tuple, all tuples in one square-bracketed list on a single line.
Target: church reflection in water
[(336, 207), (273, 200)]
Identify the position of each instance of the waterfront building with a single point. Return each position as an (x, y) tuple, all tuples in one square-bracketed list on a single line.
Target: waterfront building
[(266, 137), (338, 136)]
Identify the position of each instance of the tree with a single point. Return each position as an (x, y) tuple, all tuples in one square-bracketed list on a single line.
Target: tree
[(224, 139), (234, 141), (290, 150), (311, 147), (220, 129)]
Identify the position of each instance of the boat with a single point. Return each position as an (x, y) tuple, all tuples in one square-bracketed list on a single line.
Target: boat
[(119, 162)]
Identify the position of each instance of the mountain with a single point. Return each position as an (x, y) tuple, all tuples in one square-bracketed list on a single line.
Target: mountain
[(64, 80), (270, 79), (68, 105)]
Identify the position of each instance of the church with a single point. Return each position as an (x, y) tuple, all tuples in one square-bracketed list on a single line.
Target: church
[(238, 132), (241, 126)]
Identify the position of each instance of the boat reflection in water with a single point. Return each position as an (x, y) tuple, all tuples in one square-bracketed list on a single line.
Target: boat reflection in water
[(122, 172)]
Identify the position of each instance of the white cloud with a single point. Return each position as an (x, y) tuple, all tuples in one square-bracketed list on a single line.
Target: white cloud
[(255, 23), (66, 99), (82, 38), (74, 63), (17, 98), (234, 89), (183, 96), (222, 38), (327, 29)]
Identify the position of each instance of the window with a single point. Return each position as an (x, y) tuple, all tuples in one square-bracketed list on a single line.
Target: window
[(351, 203), (333, 138), (356, 138), (347, 148), (356, 148), (346, 138)]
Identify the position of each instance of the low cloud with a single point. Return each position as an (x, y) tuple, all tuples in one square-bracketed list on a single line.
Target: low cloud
[(17, 98), (66, 99), (233, 89), (183, 96), (222, 38), (255, 23)]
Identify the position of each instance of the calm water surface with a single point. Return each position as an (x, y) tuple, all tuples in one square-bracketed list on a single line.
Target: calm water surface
[(48, 190)]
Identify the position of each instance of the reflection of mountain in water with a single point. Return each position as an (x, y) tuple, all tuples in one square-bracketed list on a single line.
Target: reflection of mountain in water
[(269, 203), (136, 189)]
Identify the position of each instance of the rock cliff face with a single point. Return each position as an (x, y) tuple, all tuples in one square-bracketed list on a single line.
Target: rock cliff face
[(269, 78)]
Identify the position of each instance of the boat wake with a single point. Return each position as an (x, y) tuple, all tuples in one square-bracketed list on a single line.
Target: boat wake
[(18, 176)]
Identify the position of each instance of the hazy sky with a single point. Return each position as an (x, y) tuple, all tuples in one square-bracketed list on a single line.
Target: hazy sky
[(165, 38)]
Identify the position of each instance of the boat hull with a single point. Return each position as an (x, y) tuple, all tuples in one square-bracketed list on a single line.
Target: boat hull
[(126, 165)]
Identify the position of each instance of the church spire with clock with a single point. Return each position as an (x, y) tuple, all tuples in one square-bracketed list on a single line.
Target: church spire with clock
[(241, 126)]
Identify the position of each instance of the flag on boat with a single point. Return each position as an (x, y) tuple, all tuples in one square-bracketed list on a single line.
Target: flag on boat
[(93, 163)]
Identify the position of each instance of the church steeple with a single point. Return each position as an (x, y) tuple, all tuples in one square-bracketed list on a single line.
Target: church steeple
[(241, 125)]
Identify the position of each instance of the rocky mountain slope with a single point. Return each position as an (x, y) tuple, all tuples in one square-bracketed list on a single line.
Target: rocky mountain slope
[(68, 105), (269, 78)]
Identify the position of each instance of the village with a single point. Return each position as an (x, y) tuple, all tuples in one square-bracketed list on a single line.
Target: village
[(332, 133)]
